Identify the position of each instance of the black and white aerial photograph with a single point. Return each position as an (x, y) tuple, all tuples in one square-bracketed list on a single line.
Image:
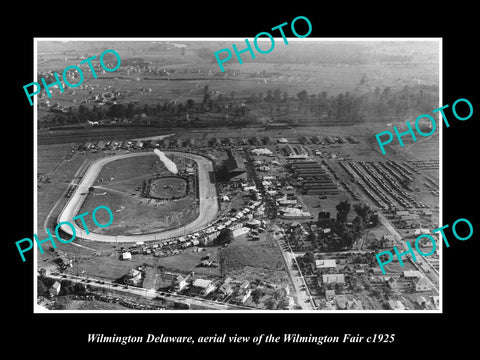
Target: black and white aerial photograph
[(200, 180), (178, 185)]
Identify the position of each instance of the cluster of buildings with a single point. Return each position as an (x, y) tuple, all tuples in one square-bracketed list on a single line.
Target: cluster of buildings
[(242, 222), (303, 238), (229, 290), (334, 276), (285, 202), (409, 279), (293, 151), (378, 181), (315, 179), (332, 282), (329, 140), (411, 218), (425, 164), (222, 290), (105, 98)]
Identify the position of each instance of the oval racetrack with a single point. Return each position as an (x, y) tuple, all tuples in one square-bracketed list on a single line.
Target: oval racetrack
[(208, 206)]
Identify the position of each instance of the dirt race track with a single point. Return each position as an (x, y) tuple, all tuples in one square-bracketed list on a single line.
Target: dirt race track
[(208, 206)]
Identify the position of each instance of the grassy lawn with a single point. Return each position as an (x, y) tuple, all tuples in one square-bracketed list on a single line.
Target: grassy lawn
[(118, 187), (245, 259)]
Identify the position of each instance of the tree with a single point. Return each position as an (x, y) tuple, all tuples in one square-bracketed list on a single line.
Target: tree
[(206, 99), (256, 295), (79, 289), (116, 111), (309, 257), (190, 103), (67, 287), (366, 213), (313, 236), (82, 109), (225, 237), (362, 210), (343, 209), (348, 239), (277, 95), (130, 111), (269, 96), (41, 288), (283, 303), (302, 95), (386, 92), (358, 224), (271, 303)]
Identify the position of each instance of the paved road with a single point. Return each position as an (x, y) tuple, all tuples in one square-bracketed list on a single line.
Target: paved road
[(398, 239), (300, 287), (208, 206)]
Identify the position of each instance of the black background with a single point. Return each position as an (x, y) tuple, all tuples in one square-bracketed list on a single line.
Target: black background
[(415, 333)]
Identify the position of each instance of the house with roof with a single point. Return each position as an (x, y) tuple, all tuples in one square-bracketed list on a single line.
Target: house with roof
[(421, 302), (226, 289), (395, 305), (243, 295), (422, 284), (354, 305), (134, 277), (244, 284), (412, 274), (325, 265), (55, 289), (235, 167), (329, 295), (392, 283), (203, 286), (333, 279), (179, 283), (387, 241)]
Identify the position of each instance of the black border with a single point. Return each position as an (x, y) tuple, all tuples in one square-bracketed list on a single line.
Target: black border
[(429, 333)]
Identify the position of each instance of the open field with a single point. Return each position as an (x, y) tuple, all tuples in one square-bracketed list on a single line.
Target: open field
[(207, 197), (108, 265), (56, 169), (336, 67), (70, 303), (253, 260), (118, 186), (169, 187)]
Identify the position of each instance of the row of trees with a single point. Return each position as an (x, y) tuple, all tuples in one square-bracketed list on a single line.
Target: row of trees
[(172, 112), (348, 107), (343, 107)]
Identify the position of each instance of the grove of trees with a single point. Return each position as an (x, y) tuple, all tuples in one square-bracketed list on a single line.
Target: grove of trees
[(276, 104)]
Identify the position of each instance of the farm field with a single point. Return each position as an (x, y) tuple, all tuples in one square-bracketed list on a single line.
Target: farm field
[(159, 72)]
